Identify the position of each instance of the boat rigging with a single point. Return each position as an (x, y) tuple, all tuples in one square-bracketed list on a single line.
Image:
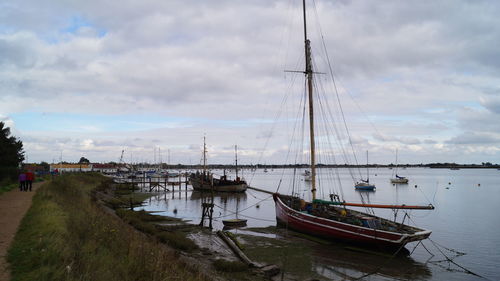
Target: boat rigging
[(331, 219)]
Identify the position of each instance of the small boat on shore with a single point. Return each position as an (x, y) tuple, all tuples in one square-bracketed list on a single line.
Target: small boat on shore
[(234, 222)]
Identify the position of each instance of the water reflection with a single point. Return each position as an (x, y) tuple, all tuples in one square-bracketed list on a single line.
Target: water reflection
[(335, 262)]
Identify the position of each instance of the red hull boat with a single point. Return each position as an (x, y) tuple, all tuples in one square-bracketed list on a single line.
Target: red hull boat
[(331, 219), (338, 223)]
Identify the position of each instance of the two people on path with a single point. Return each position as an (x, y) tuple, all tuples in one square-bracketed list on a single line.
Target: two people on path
[(26, 181)]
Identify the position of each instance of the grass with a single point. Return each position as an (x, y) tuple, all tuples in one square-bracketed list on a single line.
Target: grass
[(66, 236), (229, 266), (6, 187), (125, 199)]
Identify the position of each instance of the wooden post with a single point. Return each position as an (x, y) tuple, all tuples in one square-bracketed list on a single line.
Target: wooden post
[(208, 210)]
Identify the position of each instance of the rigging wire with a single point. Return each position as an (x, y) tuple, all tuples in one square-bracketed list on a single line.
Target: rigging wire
[(242, 210)]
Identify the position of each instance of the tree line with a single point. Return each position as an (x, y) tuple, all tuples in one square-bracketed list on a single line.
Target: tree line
[(11, 154)]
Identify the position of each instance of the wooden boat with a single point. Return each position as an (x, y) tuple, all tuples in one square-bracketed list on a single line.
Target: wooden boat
[(234, 222), (205, 181), (339, 223), (331, 219)]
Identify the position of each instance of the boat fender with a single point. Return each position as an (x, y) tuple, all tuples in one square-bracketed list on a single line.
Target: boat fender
[(343, 212), (302, 205)]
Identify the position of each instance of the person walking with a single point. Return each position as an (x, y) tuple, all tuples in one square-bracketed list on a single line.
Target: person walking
[(22, 181), (30, 177)]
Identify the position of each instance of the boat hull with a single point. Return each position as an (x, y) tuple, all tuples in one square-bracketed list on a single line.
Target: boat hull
[(201, 185), (234, 223), (405, 180), (364, 187), (335, 230)]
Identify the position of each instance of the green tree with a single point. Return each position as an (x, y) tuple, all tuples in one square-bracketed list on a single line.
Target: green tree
[(83, 160), (11, 153), (45, 165)]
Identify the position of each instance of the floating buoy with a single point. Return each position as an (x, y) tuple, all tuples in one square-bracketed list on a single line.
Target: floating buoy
[(415, 186), (175, 211), (449, 183), (257, 206)]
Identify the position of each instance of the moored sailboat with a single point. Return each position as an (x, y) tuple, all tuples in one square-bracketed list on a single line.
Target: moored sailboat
[(397, 178), (365, 184), (331, 219)]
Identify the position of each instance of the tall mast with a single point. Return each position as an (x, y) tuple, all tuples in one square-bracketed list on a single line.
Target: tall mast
[(367, 170), (309, 74), (204, 156), (236, 158)]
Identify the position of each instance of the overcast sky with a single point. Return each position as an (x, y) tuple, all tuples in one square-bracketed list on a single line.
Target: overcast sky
[(93, 78)]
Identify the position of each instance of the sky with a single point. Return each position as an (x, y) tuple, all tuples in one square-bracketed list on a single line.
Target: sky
[(152, 78)]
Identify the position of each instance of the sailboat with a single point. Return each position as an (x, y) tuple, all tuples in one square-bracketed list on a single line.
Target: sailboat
[(307, 175), (365, 184), (331, 219), (397, 178), (206, 181)]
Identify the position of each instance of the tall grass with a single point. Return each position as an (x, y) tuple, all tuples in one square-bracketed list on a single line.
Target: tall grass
[(66, 236), (7, 185)]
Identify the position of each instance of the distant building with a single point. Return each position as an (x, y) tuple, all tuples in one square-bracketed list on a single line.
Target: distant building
[(35, 168), (64, 168), (105, 168)]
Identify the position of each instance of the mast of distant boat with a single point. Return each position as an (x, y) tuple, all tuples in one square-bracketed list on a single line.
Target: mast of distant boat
[(204, 156), (367, 169), (236, 159), (309, 74)]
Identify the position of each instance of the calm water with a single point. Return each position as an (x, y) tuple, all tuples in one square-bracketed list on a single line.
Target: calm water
[(466, 218)]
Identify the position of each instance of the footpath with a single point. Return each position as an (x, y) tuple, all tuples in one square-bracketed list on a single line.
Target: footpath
[(13, 206)]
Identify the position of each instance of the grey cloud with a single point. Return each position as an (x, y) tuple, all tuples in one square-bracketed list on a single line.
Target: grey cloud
[(403, 140), (492, 102), (468, 138)]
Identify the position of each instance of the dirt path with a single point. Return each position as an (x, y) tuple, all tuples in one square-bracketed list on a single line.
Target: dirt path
[(13, 206)]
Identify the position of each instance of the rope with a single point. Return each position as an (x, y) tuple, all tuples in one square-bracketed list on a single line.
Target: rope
[(383, 265), (233, 212), (448, 259)]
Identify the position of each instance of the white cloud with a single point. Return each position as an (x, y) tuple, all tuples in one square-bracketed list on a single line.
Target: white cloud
[(426, 74)]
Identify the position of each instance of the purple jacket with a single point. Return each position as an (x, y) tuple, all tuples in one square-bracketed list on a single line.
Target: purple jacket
[(22, 177)]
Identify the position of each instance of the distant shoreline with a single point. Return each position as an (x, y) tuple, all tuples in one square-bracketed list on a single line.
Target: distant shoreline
[(305, 166)]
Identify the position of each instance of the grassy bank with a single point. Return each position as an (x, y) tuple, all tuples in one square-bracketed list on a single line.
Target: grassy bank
[(66, 236), (6, 186)]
